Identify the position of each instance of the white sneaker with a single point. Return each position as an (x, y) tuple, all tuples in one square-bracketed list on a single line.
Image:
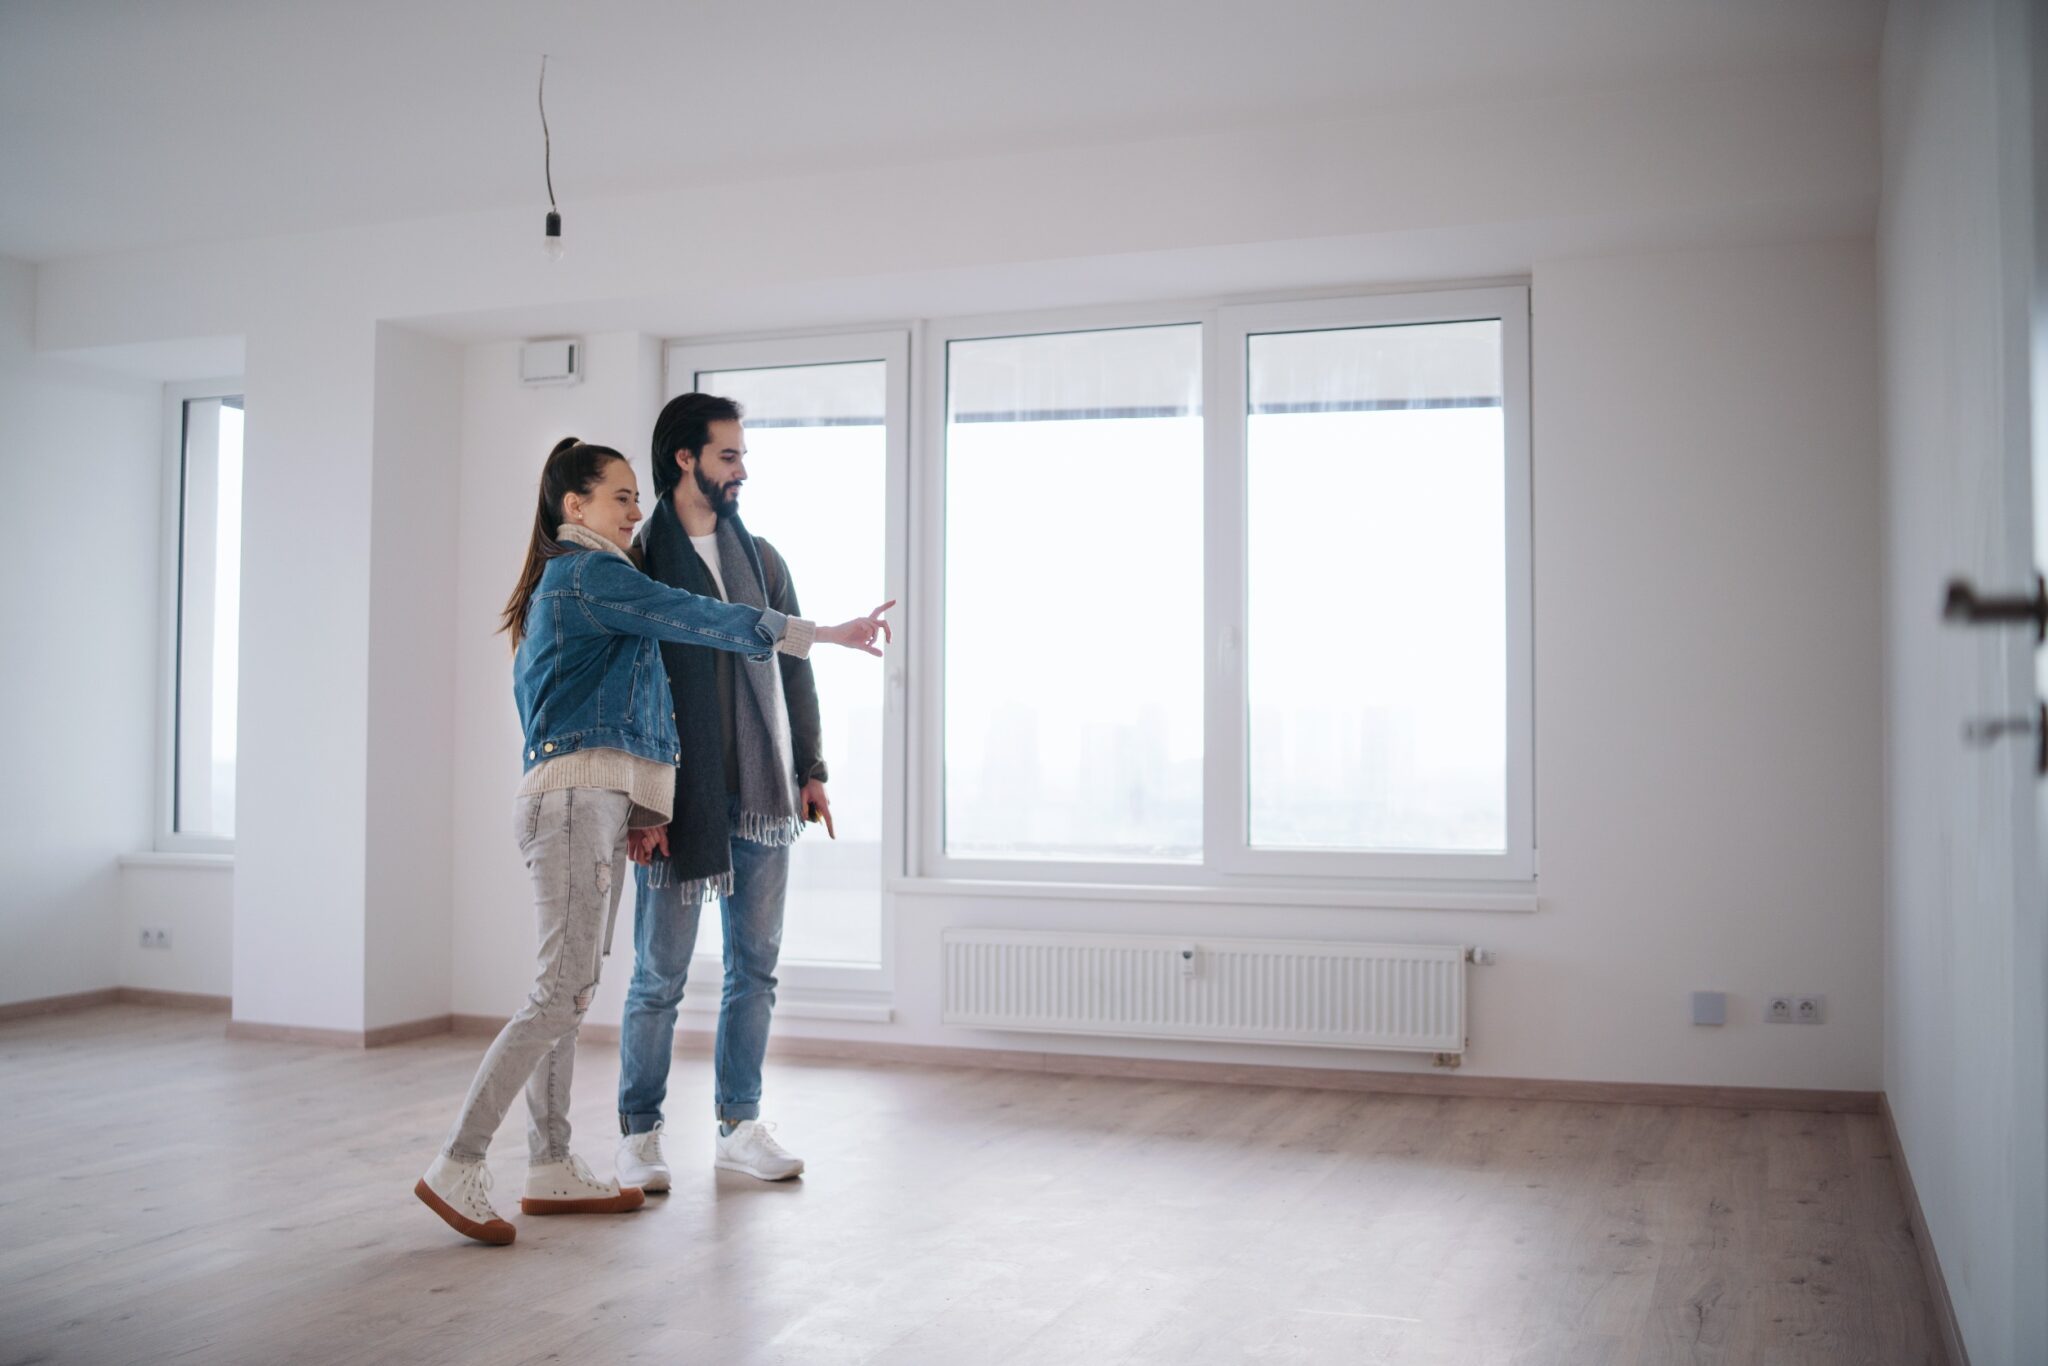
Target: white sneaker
[(567, 1187), (640, 1162), (751, 1148), (459, 1192)]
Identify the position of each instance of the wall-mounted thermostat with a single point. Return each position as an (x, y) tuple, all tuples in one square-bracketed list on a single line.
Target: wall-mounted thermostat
[(558, 360)]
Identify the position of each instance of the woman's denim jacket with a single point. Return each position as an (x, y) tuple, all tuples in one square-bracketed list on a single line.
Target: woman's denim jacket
[(588, 673)]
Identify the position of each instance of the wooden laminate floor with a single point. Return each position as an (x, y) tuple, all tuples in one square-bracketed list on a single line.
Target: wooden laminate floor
[(169, 1196)]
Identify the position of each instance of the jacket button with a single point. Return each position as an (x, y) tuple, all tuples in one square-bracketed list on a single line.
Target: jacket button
[(529, 754), (679, 756), (548, 748)]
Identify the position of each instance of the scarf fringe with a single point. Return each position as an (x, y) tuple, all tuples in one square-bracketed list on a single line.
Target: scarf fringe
[(700, 889), (773, 831)]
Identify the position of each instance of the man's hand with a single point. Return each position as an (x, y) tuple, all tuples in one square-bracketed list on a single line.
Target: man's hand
[(814, 799), (643, 845)]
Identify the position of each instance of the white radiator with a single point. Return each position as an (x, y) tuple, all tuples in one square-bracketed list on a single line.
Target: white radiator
[(1404, 996)]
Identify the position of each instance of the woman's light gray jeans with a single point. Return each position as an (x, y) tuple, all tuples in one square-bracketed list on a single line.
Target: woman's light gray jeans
[(575, 846)]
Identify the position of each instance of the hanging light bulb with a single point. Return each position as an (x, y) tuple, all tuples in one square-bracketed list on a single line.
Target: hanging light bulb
[(551, 240)]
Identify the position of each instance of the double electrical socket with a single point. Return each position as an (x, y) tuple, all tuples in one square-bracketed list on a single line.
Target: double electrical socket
[(1796, 1010), (155, 938)]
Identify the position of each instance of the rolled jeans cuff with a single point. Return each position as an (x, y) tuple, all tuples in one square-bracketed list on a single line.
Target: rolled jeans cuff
[(733, 1114)]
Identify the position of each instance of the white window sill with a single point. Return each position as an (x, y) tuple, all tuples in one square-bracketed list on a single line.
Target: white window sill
[(222, 862), (1372, 899)]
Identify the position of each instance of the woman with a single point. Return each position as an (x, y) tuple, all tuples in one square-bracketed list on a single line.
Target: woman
[(600, 751)]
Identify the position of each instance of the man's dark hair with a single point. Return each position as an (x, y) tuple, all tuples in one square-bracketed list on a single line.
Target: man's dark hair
[(685, 425)]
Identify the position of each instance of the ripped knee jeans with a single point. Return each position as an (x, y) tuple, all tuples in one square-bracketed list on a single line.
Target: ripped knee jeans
[(574, 840)]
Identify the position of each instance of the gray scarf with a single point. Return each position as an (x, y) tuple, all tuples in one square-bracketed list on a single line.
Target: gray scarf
[(768, 812), (768, 794)]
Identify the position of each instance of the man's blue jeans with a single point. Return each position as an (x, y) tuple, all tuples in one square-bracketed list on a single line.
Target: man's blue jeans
[(664, 936)]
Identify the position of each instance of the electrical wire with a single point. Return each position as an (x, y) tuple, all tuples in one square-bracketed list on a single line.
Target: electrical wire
[(547, 152)]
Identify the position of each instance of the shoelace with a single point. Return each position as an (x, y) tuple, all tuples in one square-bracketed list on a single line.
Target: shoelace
[(646, 1146), (584, 1174), (476, 1186), (764, 1135)]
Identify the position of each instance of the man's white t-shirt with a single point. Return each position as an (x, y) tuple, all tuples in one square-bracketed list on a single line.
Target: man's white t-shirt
[(707, 551)]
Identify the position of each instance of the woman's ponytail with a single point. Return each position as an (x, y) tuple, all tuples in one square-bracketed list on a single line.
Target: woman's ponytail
[(571, 467)]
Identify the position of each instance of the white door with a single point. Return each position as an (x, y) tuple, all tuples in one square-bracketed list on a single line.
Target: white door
[(2014, 742), (2031, 988), (1967, 959)]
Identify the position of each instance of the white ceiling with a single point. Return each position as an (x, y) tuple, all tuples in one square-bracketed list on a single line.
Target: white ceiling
[(136, 123)]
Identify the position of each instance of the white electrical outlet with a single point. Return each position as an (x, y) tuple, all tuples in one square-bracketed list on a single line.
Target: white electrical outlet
[(155, 938), (1810, 1009), (1778, 1010)]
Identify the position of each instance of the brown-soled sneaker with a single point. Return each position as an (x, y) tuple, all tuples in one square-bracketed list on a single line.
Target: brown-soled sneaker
[(459, 1192), (567, 1187)]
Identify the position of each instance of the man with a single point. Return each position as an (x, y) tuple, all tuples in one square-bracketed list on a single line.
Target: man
[(748, 775)]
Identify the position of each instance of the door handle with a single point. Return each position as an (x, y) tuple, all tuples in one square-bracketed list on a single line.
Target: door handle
[(1963, 606)]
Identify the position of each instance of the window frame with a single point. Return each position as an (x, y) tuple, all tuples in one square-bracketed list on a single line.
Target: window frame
[(168, 839), (857, 985), (929, 857), (1226, 771), (1229, 868)]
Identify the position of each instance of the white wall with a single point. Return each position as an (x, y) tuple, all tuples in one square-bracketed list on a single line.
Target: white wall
[(301, 855), (1708, 725), (1697, 254), (417, 506), (195, 903), (1966, 976), (81, 455)]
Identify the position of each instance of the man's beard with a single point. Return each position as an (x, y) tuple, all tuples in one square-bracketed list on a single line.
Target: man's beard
[(715, 493)]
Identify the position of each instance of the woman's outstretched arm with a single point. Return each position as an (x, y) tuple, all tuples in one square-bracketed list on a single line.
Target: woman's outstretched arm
[(620, 600)]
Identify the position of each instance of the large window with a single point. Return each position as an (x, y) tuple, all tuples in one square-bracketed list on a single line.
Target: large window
[(204, 560), (1231, 599), (1202, 604)]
